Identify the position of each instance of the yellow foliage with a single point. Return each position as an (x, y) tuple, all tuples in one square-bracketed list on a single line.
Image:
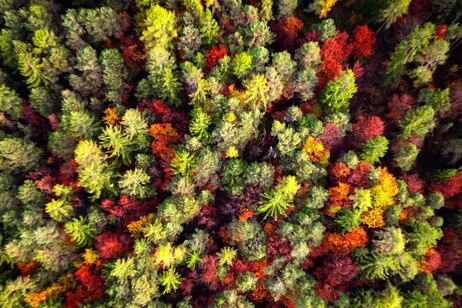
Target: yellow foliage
[(326, 7), (316, 151), (110, 116), (91, 257), (384, 190), (137, 226), (164, 255), (373, 218)]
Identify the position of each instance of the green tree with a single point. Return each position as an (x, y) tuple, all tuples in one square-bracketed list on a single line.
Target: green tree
[(10, 102), (406, 52), (275, 203), (135, 183), (159, 28), (338, 93), (208, 28), (18, 155), (374, 149), (242, 63), (419, 122), (114, 74), (406, 156), (59, 209), (199, 124), (394, 9), (80, 231), (170, 280)]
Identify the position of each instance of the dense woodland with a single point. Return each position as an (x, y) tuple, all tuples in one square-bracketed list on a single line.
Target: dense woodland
[(231, 153)]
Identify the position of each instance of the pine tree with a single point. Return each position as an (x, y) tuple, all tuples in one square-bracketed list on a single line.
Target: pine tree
[(80, 231), (18, 155), (336, 96), (374, 149), (159, 28), (114, 74), (394, 10), (10, 102)]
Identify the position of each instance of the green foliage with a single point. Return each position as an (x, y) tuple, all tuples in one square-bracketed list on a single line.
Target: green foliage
[(421, 236), (199, 124), (114, 74), (246, 282), (406, 156), (438, 99), (60, 210), (31, 68), (114, 139), (305, 83), (170, 280), (182, 163), (275, 203), (394, 10), (347, 219), (336, 96), (406, 52), (159, 27), (18, 155), (193, 258), (94, 173), (80, 231), (123, 270), (226, 256), (242, 63), (10, 102), (374, 149), (389, 241), (418, 122), (135, 183), (208, 28)]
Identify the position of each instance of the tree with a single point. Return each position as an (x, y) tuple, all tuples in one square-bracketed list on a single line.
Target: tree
[(134, 183), (275, 203), (322, 7), (336, 96), (394, 10), (242, 63), (199, 124), (10, 102), (80, 231), (209, 29), (159, 28), (374, 149), (60, 210), (114, 74), (18, 155), (406, 51), (256, 91), (170, 280), (406, 156), (419, 122)]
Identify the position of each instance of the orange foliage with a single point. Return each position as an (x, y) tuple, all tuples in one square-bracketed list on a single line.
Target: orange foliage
[(339, 193), (432, 261), (136, 226), (373, 218), (316, 151), (91, 257), (245, 214), (111, 117), (35, 299), (357, 237), (260, 293), (339, 171)]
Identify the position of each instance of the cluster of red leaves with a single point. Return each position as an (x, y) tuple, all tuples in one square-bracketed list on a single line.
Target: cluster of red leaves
[(448, 188), (414, 183), (275, 246), (432, 261), (26, 269), (334, 276), (128, 209), (112, 245), (365, 128), (43, 179), (451, 249), (363, 41), (287, 30), (39, 127), (213, 55), (333, 52), (209, 271), (331, 138), (91, 286), (399, 105)]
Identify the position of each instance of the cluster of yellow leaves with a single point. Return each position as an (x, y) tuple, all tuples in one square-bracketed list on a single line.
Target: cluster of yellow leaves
[(373, 218), (316, 151), (91, 257), (137, 226), (384, 190), (326, 7)]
